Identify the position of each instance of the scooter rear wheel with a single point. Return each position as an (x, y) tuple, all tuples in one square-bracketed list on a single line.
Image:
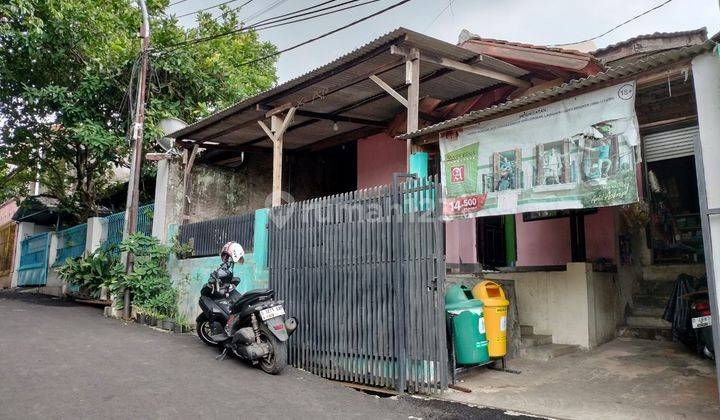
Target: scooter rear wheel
[(204, 330), (276, 361)]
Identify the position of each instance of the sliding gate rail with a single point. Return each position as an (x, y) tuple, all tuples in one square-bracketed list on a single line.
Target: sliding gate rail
[(364, 274)]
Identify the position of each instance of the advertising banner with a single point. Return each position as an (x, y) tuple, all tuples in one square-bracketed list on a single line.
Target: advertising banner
[(571, 154)]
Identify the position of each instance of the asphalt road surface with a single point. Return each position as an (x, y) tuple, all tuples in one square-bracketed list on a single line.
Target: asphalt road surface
[(60, 360)]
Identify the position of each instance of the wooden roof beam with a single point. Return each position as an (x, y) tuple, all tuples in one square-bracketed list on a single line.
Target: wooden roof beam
[(339, 118), (465, 67)]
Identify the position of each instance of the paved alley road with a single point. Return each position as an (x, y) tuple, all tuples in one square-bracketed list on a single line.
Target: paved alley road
[(62, 360)]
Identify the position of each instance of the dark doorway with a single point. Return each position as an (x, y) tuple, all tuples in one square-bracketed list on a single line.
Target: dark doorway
[(491, 241), (675, 228)]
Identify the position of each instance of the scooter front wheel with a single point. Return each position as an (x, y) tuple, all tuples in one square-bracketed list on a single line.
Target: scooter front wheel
[(276, 361), (204, 330)]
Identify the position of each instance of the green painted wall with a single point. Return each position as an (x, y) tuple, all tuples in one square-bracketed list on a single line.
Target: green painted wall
[(191, 274)]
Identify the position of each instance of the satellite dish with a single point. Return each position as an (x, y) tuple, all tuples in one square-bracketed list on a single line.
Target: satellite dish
[(169, 126)]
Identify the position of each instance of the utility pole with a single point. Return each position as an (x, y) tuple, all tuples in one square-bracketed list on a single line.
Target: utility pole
[(133, 195)]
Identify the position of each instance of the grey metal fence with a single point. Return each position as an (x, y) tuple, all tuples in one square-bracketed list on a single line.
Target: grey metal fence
[(207, 238), (364, 274)]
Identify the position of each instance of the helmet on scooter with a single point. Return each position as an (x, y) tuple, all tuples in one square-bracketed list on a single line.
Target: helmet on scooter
[(232, 251)]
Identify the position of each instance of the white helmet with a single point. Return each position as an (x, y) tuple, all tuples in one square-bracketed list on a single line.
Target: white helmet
[(232, 251)]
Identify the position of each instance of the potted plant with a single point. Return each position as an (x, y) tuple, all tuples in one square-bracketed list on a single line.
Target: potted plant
[(140, 317), (168, 324), (181, 324)]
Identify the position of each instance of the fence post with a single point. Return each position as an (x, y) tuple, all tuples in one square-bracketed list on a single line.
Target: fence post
[(94, 238), (260, 240), (162, 190), (96, 233), (52, 279)]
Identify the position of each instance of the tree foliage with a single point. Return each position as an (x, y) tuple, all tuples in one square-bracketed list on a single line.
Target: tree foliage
[(66, 79)]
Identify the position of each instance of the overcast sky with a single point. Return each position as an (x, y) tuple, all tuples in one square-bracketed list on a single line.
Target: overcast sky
[(530, 21)]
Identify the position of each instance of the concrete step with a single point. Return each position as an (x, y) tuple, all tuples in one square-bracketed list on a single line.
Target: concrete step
[(670, 272), (647, 333), (547, 352), (656, 288), (650, 300), (526, 330), (653, 311), (533, 340), (647, 322)]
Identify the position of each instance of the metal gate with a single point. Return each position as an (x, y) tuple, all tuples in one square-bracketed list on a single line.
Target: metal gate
[(34, 260), (7, 248), (364, 274)]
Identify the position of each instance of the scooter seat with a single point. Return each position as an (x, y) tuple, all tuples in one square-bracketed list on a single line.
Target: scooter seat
[(253, 296)]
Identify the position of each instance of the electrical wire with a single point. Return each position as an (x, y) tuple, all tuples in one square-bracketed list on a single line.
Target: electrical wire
[(615, 27), (213, 7), (297, 13), (176, 2), (270, 25), (274, 22), (326, 34), (265, 10), (305, 9), (447, 6)]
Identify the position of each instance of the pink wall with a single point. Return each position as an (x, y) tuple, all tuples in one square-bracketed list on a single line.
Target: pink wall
[(7, 209), (547, 242), (543, 242), (377, 158), (460, 242), (600, 234)]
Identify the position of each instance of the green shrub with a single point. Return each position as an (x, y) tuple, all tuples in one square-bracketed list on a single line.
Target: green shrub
[(149, 282), (91, 271)]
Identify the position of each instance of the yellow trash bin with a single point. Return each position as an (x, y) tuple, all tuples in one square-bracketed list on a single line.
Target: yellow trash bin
[(495, 311)]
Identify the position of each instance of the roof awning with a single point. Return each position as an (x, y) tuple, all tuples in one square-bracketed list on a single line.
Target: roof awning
[(628, 71), (39, 209), (339, 100)]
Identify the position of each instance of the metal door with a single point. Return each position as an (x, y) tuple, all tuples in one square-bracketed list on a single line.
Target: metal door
[(34, 260)]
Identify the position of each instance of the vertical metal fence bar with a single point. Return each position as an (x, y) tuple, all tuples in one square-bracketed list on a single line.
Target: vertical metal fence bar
[(363, 273)]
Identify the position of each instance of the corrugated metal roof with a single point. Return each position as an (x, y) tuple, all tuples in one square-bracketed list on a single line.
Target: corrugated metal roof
[(323, 84), (701, 31), (466, 35), (558, 92)]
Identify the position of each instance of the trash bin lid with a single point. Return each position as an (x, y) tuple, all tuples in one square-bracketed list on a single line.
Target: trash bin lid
[(467, 304), (491, 293), (455, 294)]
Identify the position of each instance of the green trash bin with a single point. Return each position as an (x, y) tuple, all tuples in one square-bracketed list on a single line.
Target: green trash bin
[(468, 323)]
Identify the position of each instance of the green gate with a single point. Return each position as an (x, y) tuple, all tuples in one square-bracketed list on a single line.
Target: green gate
[(34, 260)]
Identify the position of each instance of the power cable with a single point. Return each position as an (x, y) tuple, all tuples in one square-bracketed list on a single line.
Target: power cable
[(265, 10), (176, 2), (447, 6), (269, 23), (305, 9), (615, 27), (326, 34), (213, 7), (275, 24)]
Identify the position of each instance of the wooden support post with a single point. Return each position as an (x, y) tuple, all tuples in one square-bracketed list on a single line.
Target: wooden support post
[(412, 75), (278, 126), (275, 123)]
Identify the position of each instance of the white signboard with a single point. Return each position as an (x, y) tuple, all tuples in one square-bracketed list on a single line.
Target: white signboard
[(571, 154)]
